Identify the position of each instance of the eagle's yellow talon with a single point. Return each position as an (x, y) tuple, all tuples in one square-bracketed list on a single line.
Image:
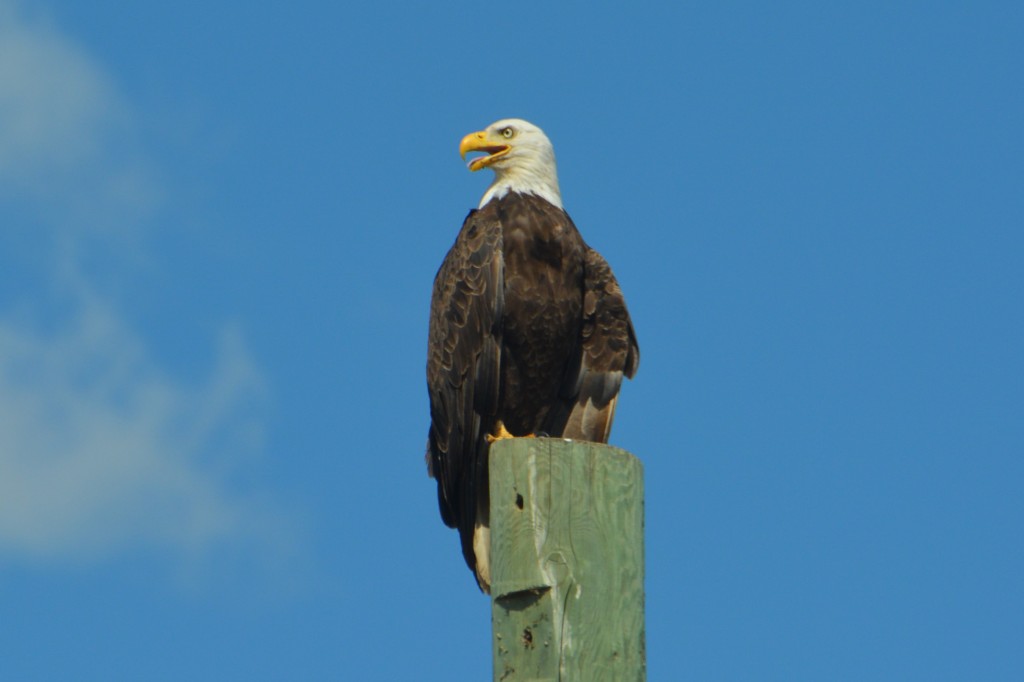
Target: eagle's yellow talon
[(501, 433)]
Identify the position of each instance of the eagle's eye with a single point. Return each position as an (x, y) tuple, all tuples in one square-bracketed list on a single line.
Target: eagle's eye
[(508, 133)]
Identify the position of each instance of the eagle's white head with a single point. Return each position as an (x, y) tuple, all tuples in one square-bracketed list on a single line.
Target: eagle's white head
[(521, 156)]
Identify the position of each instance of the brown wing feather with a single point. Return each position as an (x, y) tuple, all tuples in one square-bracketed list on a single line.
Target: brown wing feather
[(463, 362), (609, 350)]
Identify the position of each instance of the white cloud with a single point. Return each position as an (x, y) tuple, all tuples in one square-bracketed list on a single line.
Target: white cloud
[(101, 450), (66, 136), (53, 100)]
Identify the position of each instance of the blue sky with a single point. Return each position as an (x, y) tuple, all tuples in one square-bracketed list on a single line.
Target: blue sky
[(220, 224)]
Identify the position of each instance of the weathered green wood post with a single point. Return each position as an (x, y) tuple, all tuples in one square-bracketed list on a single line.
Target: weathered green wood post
[(567, 562)]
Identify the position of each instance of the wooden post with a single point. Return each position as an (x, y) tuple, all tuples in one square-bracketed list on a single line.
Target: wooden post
[(567, 562)]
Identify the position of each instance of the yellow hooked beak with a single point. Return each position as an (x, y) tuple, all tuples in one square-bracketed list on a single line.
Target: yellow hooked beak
[(482, 142)]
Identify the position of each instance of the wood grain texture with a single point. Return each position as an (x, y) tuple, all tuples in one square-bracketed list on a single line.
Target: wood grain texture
[(567, 561)]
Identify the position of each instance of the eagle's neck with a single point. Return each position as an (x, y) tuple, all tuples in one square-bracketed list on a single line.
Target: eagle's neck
[(540, 179)]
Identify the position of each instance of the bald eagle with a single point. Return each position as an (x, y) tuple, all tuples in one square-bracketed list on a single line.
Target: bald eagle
[(529, 332)]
